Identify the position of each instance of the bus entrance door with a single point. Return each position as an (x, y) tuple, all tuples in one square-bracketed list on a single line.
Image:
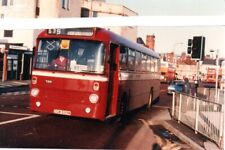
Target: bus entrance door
[(113, 80)]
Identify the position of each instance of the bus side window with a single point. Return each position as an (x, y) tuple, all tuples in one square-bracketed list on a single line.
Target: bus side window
[(152, 65), (131, 59), (149, 64), (158, 65), (144, 62), (138, 61), (123, 58)]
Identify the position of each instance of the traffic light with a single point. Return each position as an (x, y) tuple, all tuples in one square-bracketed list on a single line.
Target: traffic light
[(198, 48), (189, 48)]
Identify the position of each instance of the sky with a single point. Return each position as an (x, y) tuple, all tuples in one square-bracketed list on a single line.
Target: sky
[(168, 39)]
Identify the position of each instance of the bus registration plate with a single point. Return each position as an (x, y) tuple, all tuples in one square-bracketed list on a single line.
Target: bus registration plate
[(62, 112)]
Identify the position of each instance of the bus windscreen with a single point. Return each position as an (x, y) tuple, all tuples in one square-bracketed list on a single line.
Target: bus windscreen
[(70, 55)]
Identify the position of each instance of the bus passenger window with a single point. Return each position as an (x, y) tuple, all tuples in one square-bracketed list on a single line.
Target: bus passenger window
[(148, 63), (131, 59), (144, 62), (123, 58), (152, 64), (138, 61)]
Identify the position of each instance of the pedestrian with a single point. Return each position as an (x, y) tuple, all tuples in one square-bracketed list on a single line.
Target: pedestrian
[(186, 86)]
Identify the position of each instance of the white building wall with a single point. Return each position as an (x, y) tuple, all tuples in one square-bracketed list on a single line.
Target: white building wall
[(49, 8), (74, 10), (111, 10), (19, 9), (19, 36), (27, 9), (53, 9), (186, 71)]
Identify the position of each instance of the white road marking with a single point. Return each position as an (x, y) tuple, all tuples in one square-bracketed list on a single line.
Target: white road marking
[(12, 113), (29, 116), (20, 119)]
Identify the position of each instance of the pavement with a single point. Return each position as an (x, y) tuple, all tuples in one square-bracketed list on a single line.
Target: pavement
[(187, 135), (14, 87), (184, 133)]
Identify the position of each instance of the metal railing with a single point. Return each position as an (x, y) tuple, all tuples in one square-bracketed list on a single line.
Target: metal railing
[(210, 93), (203, 116)]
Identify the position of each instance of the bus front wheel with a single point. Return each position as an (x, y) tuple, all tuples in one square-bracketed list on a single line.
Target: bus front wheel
[(150, 99)]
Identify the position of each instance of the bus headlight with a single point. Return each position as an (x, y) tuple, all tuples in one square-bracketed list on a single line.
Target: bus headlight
[(34, 92), (93, 98)]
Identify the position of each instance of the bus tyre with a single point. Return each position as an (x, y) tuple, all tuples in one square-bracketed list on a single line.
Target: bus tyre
[(150, 100)]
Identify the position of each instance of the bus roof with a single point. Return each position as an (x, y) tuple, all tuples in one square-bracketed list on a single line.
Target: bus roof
[(125, 42)]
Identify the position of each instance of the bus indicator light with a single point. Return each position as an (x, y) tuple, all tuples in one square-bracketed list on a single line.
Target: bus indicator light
[(34, 80), (96, 86)]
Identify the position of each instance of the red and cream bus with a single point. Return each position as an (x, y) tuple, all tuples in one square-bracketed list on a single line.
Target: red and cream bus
[(105, 75), (168, 72)]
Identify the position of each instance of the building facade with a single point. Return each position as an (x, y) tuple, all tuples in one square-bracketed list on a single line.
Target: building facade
[(34, 9), (94, 8), (26, 39), (150, 41)]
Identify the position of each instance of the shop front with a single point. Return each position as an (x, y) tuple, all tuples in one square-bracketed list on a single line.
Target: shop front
[(15, 62)]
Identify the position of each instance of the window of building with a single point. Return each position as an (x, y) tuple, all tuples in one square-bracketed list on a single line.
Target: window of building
[(37, 11), (8, 33), (4, 2), (85, 12), (95, 14), (65, 4)]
